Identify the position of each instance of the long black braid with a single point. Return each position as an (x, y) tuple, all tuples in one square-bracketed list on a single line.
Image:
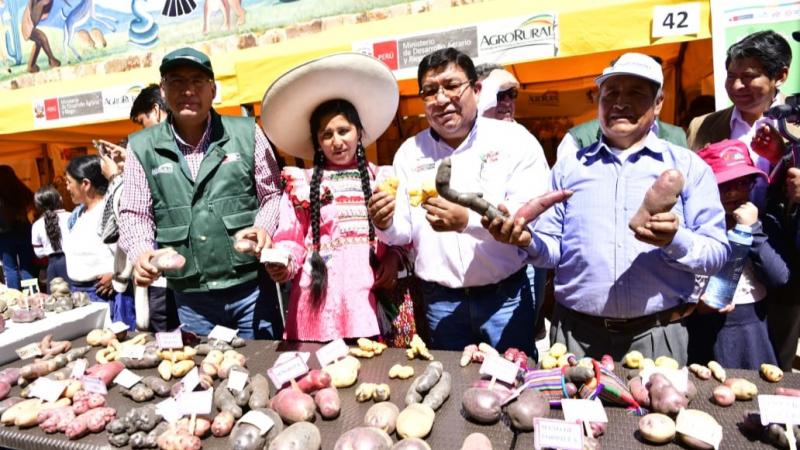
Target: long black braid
[(319, 272), (361, 159), (47, 201)]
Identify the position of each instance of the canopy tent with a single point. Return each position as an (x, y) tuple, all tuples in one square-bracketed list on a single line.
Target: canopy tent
[(589, 35)]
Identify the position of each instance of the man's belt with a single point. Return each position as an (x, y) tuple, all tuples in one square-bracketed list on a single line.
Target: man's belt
[(634, 324)]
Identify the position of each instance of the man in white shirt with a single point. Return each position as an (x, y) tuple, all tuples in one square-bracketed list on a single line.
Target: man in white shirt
[(475, 289)]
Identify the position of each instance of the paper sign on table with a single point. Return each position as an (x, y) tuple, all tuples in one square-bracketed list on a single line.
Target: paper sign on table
[(47, 389), (118, 327), (190, 380), (94, 384), (221, 333), (676, 20), (331, 352), (781, 409), (275, 256), (550, 433), (283, 373), (237, 379), (132, 351), (678, 378), (701, 430), (583, 410), (197, 402), (500, 368), (168, 409), (286, 356), (169, 339), (30, 286), (29, 351), (259, 420), (127, 379), (79, 368)]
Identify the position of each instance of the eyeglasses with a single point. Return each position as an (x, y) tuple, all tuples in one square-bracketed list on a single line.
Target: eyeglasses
[(510, 94), (180, 83), (452, 90)]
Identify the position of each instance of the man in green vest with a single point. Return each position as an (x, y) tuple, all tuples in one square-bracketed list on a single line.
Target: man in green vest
[(197, 183)]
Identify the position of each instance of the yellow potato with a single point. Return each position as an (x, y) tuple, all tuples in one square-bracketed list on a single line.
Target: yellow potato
[(666, 362), (633, 359), (771, 373), (557, 350), (165, 369), (389, 185)]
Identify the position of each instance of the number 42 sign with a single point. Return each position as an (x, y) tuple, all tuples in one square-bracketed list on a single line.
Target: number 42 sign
[(676, 20)]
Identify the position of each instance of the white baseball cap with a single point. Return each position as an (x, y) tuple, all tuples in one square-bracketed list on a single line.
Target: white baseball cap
[(636, 64)]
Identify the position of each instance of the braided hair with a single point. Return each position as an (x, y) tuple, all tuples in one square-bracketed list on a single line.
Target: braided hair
[(48, 201), (319, 273)]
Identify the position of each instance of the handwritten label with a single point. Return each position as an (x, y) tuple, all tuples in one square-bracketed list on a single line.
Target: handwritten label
[(275, 256), (47, 389), (676, 20), (576, 410), (331, 352), (118, 327), (190, 380), (259, 420), (94, 384), (500, 368), (286, 371), (197, 402), (79, 368), (30, 286), (132, 351), (237, 379), (781, 409), (127, 379), (678, 378), (168, 409), (221, 333), (286, 356), (550, 433), (701, 430), (29, 351), (169, 339)]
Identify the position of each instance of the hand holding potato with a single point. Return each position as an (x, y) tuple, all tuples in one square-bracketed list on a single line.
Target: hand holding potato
[(381, 209), (659, 230)]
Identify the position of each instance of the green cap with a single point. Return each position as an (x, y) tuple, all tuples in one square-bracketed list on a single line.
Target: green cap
[(186, 56)]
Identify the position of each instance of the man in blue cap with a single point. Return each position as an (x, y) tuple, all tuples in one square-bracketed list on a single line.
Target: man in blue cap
[(198, 182)]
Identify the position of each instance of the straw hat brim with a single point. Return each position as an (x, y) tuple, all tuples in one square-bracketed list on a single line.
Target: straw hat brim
[(362, 80)]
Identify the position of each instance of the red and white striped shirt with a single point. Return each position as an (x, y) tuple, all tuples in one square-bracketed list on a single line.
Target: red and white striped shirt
[(136, 222)]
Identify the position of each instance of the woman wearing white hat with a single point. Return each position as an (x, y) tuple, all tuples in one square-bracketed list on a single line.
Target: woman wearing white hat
[(327, 110)]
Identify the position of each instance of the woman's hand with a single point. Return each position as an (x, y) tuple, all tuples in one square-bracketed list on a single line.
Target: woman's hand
[(103, 285), (386, 275)]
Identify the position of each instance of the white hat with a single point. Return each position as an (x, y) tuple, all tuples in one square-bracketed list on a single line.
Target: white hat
[(635, 64), (362, 80)]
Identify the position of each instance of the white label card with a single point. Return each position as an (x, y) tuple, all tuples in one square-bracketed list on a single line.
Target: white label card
[(781, 409), (237, 380), (550, 433), (286, 356), (221, 333), (259, 420), (678, 378), (583, 410), (711, 435), (79, 368), (169, 339), (168, 409), (331, 352), (286, 371), (47, 389), (500, 368), (197, 402), (275, 256), (127, 379), (118, 327), (191, 380), (132, 351), (29, 351), (676, 20), (94, 384), (30, 286)]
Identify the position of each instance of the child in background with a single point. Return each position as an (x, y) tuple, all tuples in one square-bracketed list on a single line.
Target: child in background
[(49, 229), (736, 336)]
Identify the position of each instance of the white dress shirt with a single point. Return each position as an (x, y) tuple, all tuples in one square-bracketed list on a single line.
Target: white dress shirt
[(500, 159)]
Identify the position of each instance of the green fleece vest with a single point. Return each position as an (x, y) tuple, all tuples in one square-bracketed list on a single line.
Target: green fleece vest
[(589, 132), (199, 217)]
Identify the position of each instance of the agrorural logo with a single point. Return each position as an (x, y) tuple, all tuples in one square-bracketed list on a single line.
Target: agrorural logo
[(537, 30)]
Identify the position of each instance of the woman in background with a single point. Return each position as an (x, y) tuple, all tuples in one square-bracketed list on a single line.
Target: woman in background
[(16, 202), (48, 230)]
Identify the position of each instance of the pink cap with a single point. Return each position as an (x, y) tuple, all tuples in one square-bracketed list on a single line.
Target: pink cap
[(729, 159)]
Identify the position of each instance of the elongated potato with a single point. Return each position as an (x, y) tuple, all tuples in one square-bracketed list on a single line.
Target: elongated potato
[(328, 402), (743, 389), (660, 197)]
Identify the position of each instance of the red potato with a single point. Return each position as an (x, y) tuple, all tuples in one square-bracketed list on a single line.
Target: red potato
[(660, 198), (106, 372), (175, 440), (787, 391), (83, 401), (93, 421), (5, 388), (481, 405), (723, 395), (56, 419), (639, 392), (10, 376), (608, 362), (222, 425), (201, 426), (313, 381), (293, 406), (664, 398), (328, 402), (167, 259)]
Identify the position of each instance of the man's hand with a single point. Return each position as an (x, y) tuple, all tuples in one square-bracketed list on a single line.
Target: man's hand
[(103, 286), (108, 167), (659, 230), (386, 275), (746, 214), (381, 209), (509, 231), (257, 235), (768, 143), (793, 185), (278, 272), (144, 273), (444, 215)]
